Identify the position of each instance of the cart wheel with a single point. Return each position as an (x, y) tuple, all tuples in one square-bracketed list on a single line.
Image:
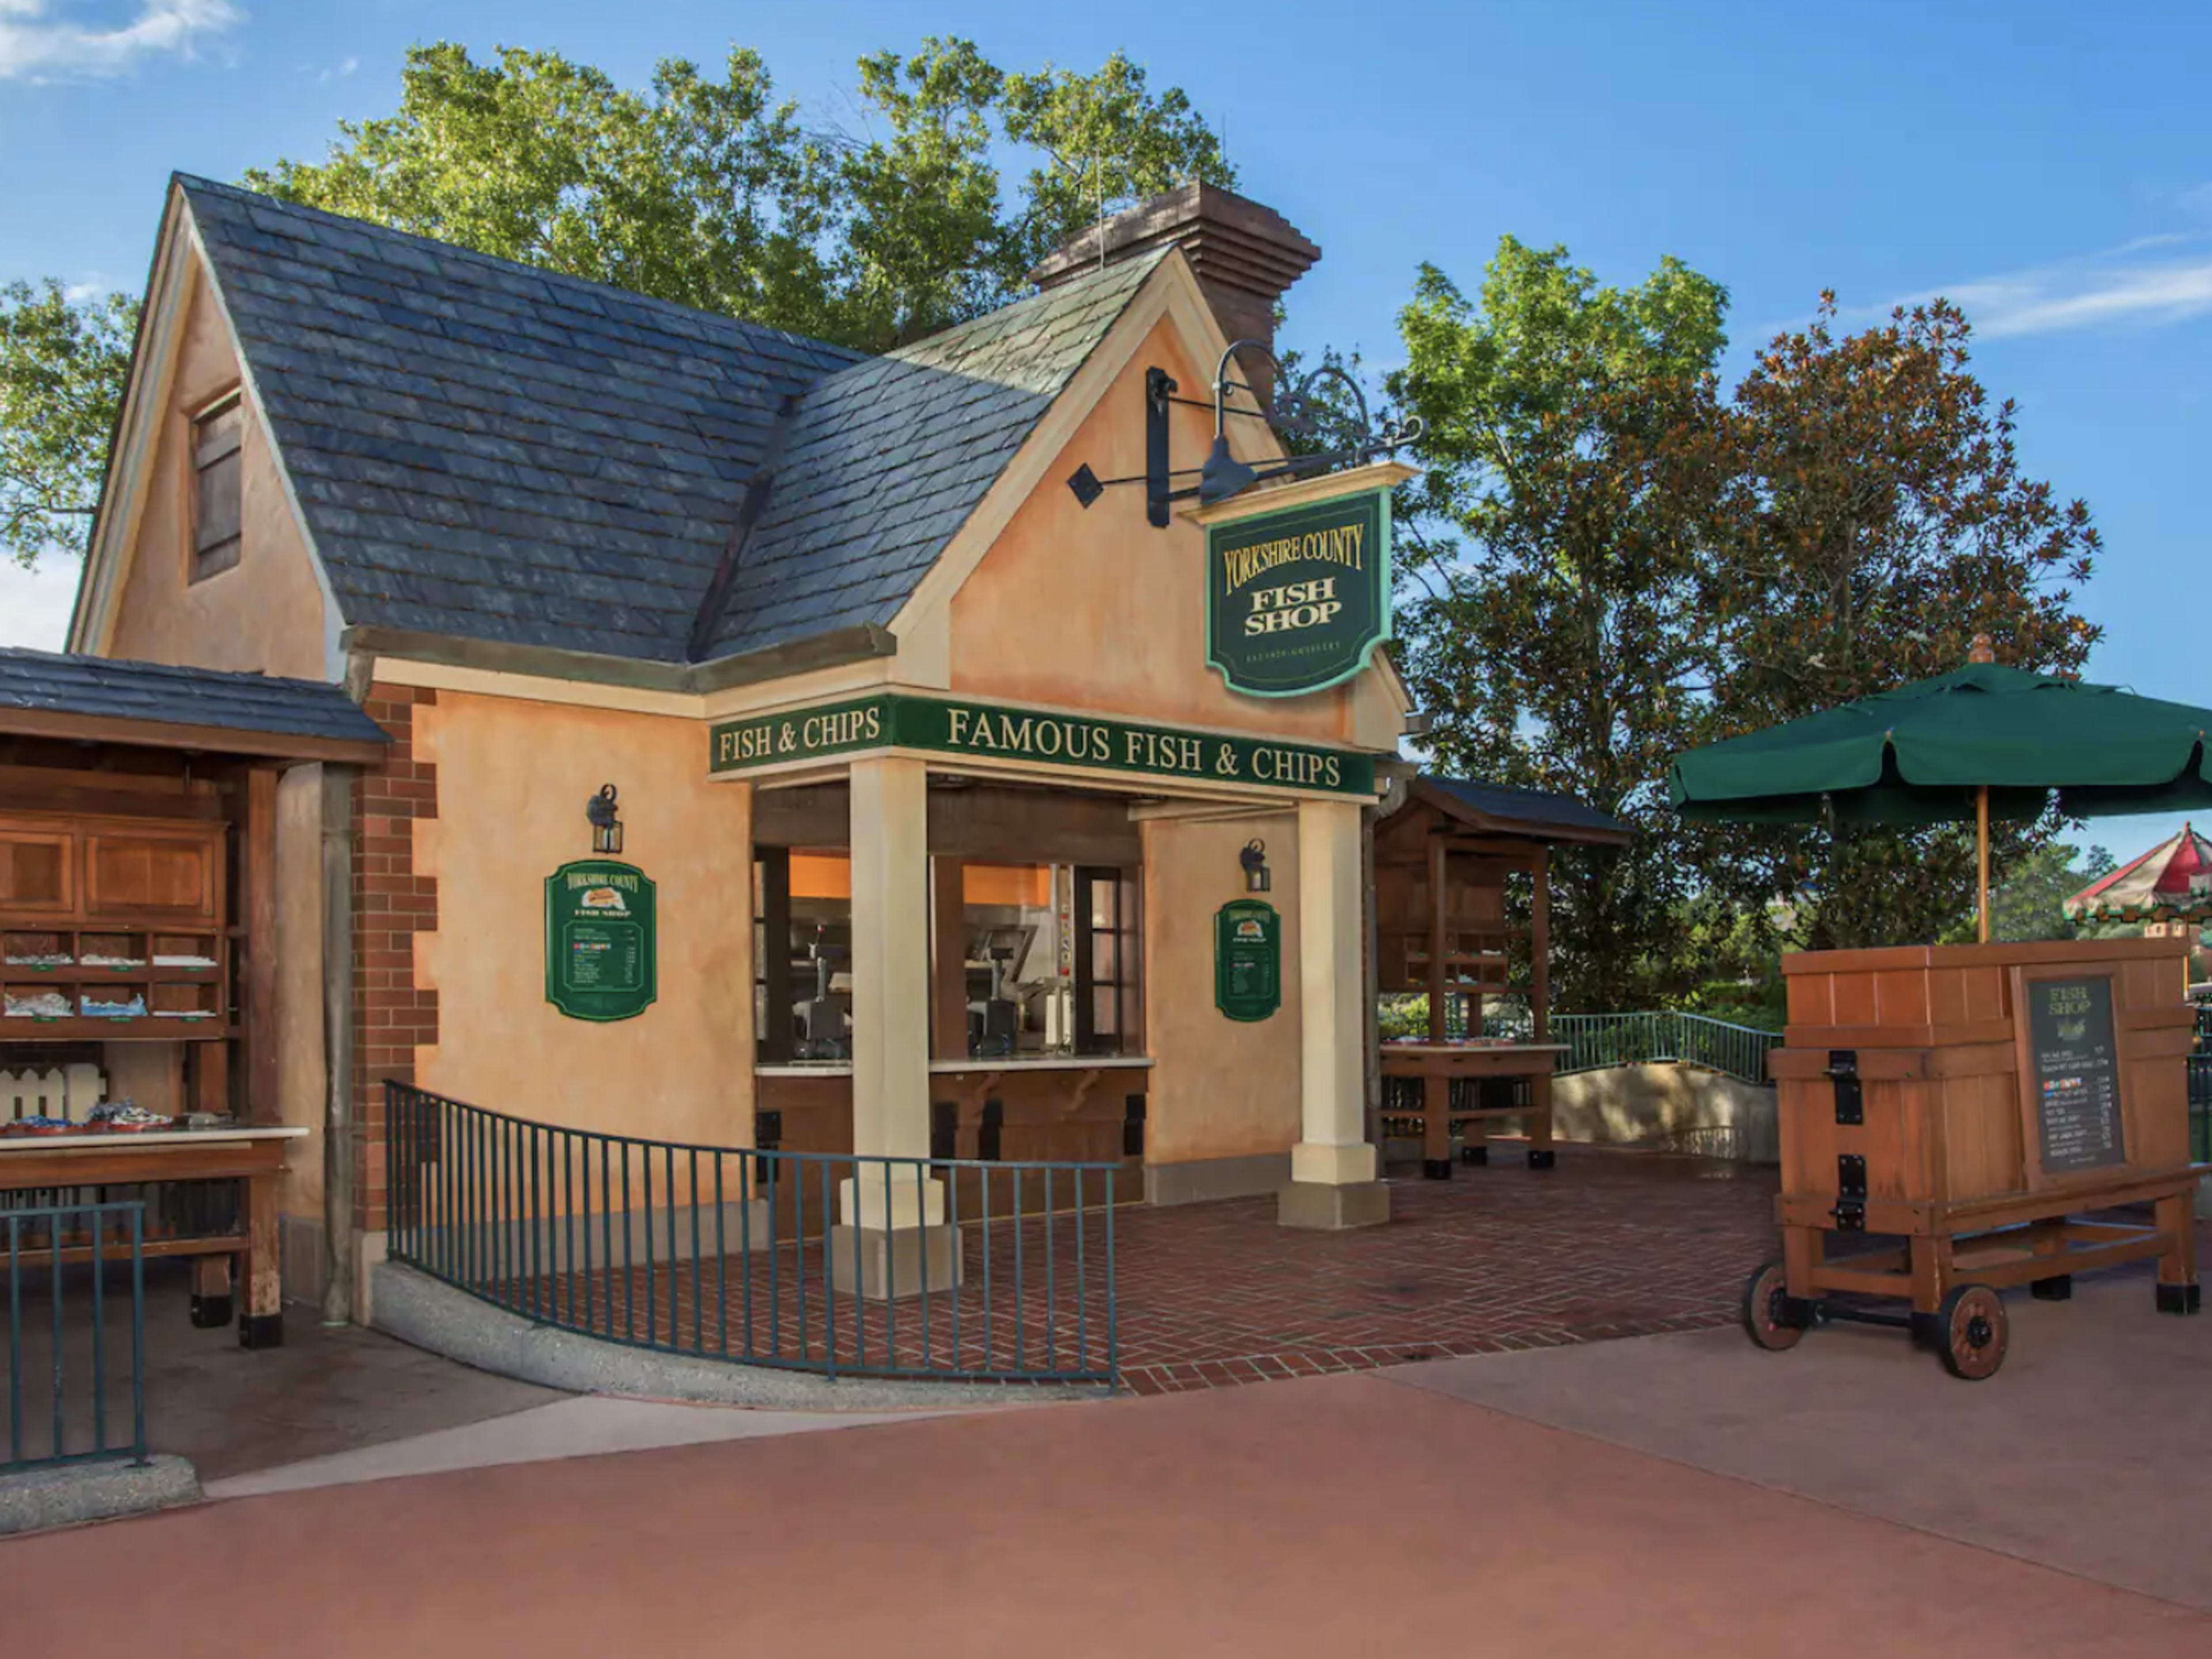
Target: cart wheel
[(1543, 1157), (1972, 1332), (1773, 1318)]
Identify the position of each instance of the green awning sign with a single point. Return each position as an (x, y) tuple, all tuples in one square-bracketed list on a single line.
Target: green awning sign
[(601, 941), (1248, 960), (1297, 600)]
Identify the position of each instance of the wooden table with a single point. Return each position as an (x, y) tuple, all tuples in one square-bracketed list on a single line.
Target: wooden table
[(1437, 1064), (254, 1157)]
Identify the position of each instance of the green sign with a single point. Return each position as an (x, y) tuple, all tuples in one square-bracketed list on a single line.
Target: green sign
[(992, 732), (1247, 959), (601, 941), (1296, 601)]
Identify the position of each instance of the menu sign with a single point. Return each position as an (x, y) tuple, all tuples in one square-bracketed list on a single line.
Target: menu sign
[(1248, 960), (601, 941), (2074, 1086)]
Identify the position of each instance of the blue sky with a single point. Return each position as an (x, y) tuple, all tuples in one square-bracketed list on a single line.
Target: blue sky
[(2045, 165)]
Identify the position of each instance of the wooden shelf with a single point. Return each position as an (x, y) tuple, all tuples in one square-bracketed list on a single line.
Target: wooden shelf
[(137, 1028)]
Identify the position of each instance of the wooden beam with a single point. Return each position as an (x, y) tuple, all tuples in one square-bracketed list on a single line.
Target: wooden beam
[(1539, 947), (338, 784), (948, 990), (775, 1034), (256, 865), (1439, 915), (200, 740)]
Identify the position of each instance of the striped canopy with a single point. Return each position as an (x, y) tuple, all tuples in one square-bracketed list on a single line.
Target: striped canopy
[(2173, 881)]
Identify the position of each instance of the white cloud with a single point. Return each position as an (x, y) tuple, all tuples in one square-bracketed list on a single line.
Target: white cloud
[(35, 45), (2118, 285), (35, 603), (339, 71)]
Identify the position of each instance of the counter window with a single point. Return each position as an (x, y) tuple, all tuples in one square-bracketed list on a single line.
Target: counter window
[(803, 991)]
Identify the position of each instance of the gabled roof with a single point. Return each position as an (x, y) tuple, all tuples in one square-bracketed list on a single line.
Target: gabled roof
[(66, 695), (1503, 808), (488, 451)]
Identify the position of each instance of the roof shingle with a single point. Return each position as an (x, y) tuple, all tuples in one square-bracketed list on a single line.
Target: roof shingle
[(57, 683)]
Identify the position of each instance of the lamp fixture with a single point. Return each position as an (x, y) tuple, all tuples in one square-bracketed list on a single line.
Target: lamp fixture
[(606, 827), (1254, 858)]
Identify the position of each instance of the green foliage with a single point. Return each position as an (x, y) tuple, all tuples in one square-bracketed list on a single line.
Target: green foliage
[(62, 363), (1552, 551), (2026, 904), (703, 189)]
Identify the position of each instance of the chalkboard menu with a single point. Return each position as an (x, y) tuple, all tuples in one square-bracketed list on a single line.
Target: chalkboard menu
[(601, 941), (1247, 959), (2075, 1085)]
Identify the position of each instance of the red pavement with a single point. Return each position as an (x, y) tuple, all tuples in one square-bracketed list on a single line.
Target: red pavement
[(1333, 1516)]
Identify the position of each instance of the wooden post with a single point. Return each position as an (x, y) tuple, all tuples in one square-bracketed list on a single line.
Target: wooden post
[(948, 1020), (262, 1323), (337, 1044), (1539, 1001), (1981, 856), (1435, 1089), (257, 863)]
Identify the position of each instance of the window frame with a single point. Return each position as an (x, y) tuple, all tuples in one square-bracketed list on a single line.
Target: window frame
[(1126, 1040)]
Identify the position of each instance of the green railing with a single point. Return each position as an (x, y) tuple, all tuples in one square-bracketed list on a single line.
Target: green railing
[(1596, 1041)]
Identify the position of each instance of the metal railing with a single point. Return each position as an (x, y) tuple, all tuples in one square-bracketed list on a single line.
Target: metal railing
[(72, 1372), (960, 1269), (2200, 1109), (1596, 1041)]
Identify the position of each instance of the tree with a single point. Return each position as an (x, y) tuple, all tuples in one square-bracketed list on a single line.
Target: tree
[(704, 190), (62, 363), (1877, 520), (1552, 563)]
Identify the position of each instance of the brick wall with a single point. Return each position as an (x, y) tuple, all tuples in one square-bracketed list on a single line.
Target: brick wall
[(391, 904)]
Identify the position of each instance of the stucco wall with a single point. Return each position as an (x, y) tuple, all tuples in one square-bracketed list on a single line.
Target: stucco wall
[(1093, 608), (1220, 1088), (266, 612), (512, 780)]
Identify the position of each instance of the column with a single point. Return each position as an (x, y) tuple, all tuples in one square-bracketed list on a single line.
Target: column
[(892, 1239), (1334, 1166)]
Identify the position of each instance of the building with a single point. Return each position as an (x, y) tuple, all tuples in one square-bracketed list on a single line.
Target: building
[(931, 802)]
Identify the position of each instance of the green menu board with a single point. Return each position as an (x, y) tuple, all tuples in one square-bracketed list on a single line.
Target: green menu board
[(602, 944), (1247, 959)]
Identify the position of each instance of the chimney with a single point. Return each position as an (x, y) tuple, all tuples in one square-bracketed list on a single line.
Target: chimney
[(1245, 258)]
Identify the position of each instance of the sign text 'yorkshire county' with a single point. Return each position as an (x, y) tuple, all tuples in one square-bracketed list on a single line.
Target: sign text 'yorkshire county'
[(1296, 601)]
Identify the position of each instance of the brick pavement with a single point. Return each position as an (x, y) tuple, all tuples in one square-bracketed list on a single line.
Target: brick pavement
[(1212, 1295)]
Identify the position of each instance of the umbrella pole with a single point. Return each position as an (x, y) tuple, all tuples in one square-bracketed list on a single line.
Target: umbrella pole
[(1982, 856)]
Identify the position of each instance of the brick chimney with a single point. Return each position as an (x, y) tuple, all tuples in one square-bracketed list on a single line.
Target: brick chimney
[(1245, 257)]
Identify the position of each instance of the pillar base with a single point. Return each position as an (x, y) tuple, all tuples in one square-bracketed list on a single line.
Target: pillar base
[(882, 1264), (1326, 1208)]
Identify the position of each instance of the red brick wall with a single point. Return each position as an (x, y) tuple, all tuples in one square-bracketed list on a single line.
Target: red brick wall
[(391, 904)]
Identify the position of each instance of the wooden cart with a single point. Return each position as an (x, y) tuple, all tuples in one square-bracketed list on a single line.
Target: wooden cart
[(1977, 1109)]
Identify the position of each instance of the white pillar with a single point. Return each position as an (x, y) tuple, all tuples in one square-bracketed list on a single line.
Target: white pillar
[(1333, 1167), (889, 841)]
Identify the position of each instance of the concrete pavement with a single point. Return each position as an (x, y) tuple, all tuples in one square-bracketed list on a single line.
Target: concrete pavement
[(1338, 1515)]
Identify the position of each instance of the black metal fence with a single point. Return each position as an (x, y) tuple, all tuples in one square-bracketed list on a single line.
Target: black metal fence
[(957, 1269), (2200, 1109), (61, 1381)]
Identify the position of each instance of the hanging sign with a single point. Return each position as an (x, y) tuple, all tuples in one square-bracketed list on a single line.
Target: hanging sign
[(2074, 1076), (1247, 959), (1011, 736), (602, 940), (1297, 600)]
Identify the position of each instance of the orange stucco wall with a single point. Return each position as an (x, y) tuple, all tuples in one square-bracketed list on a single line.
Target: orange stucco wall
[(513, 779), (266, 612), (1092, 608), (1220, 1088)]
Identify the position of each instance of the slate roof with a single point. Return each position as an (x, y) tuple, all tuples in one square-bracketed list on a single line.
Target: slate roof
[(56, 682), (487, 450), (1509, 804)]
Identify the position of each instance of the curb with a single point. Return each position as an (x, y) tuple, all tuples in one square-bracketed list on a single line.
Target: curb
[(72, 1494)]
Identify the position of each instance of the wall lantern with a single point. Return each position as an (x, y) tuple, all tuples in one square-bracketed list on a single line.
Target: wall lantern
[(1254, 858), (606, 827)]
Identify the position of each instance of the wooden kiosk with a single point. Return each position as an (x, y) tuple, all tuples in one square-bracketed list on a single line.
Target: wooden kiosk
[(139, 954), (1977, 1107), (1442, 861)]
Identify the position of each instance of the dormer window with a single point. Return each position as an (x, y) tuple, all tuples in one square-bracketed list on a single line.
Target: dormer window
[(216, 436)]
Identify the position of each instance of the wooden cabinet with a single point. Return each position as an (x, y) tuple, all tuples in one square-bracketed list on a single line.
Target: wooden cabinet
[(112, 928)]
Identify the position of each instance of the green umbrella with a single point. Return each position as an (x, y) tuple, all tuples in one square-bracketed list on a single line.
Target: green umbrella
[(1980, 742)]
